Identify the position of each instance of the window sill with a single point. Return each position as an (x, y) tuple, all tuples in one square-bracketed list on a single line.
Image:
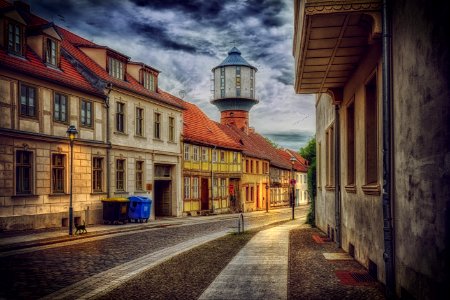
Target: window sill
[(371, 189), (329, 187), (121, 193), (351, 188), (140, 137), (58, 194), (31, 118), (61, 122), (25, 196), (99, 193), (120, 133), (172, 142), (158, 140), (87, 127)]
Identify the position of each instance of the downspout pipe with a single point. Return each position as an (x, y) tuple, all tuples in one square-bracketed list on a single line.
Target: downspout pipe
[(388, 230), (108, 141), (337, 172)]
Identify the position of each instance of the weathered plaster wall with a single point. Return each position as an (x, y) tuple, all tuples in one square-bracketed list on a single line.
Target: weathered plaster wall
[(421, 144), (361, 217), (324, 199)]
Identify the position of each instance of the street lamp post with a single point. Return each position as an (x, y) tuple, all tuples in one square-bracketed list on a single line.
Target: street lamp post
[(267, 197), (71, 133), (293, 185)]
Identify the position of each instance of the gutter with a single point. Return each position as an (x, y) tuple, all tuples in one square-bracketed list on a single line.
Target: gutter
[(388, 229)]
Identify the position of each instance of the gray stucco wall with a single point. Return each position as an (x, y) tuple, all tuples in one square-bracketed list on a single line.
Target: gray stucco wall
[(324, 198), (421, 101)]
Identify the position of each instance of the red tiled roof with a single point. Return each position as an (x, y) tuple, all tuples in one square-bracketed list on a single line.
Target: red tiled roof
[(34, 66), (299, 158), (287, 154), (256, 146), (70, 40), (198, 128)]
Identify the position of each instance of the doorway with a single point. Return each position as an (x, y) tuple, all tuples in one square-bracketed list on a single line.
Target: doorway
[(163, 198), (204, 194)]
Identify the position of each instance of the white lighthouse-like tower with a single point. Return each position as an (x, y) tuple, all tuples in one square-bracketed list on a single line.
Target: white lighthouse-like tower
[(234, 89)]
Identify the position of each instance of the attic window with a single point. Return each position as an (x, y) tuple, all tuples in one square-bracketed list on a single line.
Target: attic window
[(148, 80), (15, 38), (115, 68), (51, 52)]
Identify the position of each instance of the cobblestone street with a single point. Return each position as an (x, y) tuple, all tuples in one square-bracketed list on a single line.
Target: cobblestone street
[(38, 273)]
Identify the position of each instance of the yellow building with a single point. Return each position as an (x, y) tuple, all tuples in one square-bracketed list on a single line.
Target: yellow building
[(210, 159)]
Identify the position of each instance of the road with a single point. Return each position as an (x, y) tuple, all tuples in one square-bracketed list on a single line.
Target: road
[(45, 270)]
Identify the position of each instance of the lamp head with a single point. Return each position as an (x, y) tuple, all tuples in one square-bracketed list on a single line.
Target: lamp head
[(292, 160), (72, 132)]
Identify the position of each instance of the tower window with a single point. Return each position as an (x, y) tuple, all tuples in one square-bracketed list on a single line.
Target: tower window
[(222, 82), (115, 68), (51, 52), (15, 38)]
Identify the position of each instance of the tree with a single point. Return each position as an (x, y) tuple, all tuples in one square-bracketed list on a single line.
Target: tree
[(309, 153)]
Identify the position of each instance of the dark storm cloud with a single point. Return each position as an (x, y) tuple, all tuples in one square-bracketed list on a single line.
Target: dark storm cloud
[(290, 140), (150, 33)]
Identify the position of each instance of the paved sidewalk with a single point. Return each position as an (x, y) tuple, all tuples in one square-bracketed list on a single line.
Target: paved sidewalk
[(259, 271)]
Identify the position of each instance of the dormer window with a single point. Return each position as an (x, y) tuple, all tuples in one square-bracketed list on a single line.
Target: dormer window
[(15, 38), (51, 52), (149, 81), (115, 68)]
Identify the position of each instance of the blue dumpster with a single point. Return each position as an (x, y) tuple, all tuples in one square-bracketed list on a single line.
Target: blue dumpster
[(139, 208)]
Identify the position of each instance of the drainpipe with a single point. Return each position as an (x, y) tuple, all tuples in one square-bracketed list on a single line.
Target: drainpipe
[(337, 181), (388, 230), (108, 141)]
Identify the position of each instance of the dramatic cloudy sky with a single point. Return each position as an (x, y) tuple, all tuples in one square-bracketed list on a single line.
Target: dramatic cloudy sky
[(186, 39)]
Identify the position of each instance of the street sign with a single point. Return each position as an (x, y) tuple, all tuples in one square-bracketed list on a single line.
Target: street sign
[(293, 181), (231, 189)]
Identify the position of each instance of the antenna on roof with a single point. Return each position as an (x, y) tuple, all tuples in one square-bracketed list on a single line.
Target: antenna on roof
[(182, 94)]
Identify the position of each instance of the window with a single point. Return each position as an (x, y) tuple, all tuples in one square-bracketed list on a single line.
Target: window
[(222, 156), (51, 52), (215, 183), (115, 68), (330, 156), (187, 152), (157, 126), (222, 82), (24, 172), (214, 156), (120, 175), (204, 154), (252, 83), (195, 156), (58, 173), (371, 132), (223, 188), (139, 121), (319, 163), (86, 113), (251, 166), (246, 166), (120, 117), (351, 143), (15, 38), (27, 100), (257, 167), (139, 174), (238, 81), (195, 188), (60, 106), (149, 81), (235, 157), (97, 174), (162, 171), (171, 129), (187, 188)]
